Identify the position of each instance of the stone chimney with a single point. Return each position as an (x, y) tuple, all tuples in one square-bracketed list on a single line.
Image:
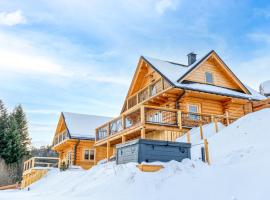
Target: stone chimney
[(191, 58)]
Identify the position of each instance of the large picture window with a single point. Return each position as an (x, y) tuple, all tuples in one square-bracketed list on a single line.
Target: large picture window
[(89, 154)]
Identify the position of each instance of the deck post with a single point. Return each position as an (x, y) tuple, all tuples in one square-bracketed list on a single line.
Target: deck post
[(188, 137), (179, 119), (227, 118), (143, 133), (201, 131), (142, 115), (206, 151), (108, 150), (123, 138)]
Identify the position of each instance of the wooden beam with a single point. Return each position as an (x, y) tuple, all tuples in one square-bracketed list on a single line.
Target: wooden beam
[(143, 133), (142, 115)]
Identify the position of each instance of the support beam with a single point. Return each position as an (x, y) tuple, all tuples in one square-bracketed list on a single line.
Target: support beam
[(142, 115)]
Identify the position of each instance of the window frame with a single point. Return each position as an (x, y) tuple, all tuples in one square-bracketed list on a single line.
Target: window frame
[(212, 75), (89, 154), (196, 115)]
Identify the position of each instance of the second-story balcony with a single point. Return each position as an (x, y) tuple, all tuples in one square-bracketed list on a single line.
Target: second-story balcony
[(155, 118)]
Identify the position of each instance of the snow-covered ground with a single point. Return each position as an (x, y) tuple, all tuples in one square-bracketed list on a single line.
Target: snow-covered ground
[(240, 170)]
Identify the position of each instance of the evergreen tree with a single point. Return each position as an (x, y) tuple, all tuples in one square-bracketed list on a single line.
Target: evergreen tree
[(3, 128), (21, 122), (13, 150)]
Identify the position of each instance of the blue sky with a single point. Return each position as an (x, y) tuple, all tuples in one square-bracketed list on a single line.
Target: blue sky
[(80, 55)]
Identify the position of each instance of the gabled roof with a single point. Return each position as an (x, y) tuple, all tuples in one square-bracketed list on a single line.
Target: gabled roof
[(174, 73), (82, 126)]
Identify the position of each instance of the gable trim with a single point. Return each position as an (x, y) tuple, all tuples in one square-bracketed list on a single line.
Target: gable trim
[(239, 83), (66, 124)]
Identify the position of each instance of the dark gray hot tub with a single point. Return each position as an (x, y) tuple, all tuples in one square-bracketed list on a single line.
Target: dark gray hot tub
[(142, 150)]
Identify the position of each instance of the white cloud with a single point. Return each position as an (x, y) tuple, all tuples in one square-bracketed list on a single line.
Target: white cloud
[(260, 37), (12, 18), (27, 63), (163, 5)]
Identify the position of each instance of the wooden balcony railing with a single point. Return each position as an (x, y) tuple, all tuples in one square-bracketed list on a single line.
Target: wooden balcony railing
[(60, 138), (162, 116), (147, 92), (190, 120), (40, 162)]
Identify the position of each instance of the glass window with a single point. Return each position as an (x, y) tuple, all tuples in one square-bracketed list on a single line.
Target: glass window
[(86, 154), (193, 109), (89, 154), (92, 154), (209, 77)]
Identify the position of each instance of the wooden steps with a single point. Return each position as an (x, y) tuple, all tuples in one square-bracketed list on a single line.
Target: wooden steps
[(149, 168)]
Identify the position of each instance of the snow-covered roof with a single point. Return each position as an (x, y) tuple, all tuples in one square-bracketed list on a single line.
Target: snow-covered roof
[(173, 72), (265, 88), (221, 91), (83, 126)]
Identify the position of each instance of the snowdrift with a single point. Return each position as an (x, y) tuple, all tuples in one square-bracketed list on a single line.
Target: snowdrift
[(239, 171)]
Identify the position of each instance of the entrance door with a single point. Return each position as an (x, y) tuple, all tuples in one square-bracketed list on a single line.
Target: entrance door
[(69, 158)]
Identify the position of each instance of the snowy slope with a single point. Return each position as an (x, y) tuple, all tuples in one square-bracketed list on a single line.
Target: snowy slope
[(239, 171)]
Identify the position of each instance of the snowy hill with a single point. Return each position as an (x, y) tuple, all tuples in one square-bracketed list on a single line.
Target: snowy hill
[(239, 171)]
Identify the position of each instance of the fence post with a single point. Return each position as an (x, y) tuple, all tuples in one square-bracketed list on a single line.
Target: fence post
[(206, 151), (179, 119), (201, 131), (188, 137)]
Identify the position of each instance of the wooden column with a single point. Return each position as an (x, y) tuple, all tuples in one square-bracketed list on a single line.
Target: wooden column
[(201, 131), (143, 133), (142, 115), (108, 150), (227, 117), (188, 137), (124, 138), (179, 119)]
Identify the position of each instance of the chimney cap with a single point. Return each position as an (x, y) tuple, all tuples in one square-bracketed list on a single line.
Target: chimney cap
[(191, 54), (191, 58)]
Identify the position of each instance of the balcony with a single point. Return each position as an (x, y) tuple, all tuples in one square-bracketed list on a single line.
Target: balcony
[(156, 118), (147, 92), (60, 138)]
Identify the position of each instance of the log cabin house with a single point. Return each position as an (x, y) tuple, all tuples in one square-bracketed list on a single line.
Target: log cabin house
[(74, 138), (166, 99)]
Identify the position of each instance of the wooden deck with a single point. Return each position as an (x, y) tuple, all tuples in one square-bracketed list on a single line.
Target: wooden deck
[(37, 167)]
